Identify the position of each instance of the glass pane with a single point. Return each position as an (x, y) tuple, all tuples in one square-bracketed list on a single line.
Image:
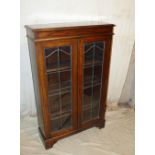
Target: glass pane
[(58, 58), (96, 101), (92, 68), (65, 56), (58, 70), (87, 97), (87, 77)]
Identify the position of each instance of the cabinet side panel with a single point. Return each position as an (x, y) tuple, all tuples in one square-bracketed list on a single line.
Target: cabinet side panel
[(105, 79), (32, 53)]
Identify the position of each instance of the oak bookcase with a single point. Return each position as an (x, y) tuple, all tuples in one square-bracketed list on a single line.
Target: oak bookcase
[(70, 68)]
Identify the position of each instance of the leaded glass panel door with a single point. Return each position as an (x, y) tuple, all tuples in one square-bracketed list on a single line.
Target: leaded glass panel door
[(91, 66), (60, 59)]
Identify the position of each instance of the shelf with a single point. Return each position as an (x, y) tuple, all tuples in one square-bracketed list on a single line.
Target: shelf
[(95, 84), (66, 110), (88, 106), (59, 92), (90, 113), (59, 115), (55, 108), (58, 69), (89, 64), (68, 68), (61, 123), (54, 89), (67, 113), (88, 82)]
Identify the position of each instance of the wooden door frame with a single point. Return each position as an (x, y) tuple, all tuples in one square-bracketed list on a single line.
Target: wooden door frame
[(105, 76), (40, 46)]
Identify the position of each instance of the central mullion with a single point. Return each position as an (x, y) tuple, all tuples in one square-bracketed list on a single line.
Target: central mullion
[(59, 79), (92, 80)]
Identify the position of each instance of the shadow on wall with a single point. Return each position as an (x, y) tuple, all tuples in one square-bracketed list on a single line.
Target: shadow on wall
[(128, 92)]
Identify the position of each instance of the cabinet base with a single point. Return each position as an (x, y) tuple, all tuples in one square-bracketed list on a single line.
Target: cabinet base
[(101, 125), (48, 143)]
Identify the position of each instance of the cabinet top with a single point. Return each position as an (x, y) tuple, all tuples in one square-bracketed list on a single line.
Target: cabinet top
[(51, 26)]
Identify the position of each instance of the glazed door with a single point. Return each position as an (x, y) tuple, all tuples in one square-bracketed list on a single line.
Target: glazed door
[(91, 79), (60, 70)]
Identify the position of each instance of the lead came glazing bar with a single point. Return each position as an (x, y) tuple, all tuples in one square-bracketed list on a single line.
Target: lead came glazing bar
[(92, 67), (60, 101), (103, 49), (92, 80)]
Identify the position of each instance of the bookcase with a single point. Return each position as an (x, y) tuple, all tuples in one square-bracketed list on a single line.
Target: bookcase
[(70, 67)]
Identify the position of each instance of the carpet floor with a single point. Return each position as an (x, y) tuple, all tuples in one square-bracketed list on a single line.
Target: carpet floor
[(117, 138)]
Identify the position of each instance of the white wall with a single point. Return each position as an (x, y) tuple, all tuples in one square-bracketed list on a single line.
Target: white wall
[(119, 12), (128, 91)]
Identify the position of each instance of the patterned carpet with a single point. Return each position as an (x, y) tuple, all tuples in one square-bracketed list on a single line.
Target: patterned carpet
[(117, 138)]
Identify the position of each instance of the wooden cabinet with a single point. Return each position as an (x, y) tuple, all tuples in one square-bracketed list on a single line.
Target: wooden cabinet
[(70, 68)]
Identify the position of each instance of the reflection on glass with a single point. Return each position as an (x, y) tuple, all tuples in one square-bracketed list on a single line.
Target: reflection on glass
[(92, 68), (58, 70)]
